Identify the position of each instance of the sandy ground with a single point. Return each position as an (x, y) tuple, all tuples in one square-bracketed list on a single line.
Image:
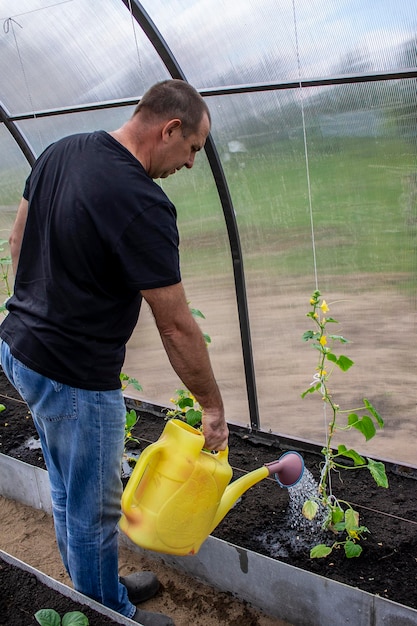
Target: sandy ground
[(380, 325), (28, 534)]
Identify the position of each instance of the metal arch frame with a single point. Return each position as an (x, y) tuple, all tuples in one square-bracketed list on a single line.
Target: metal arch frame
[(20, 139), (165, 54)]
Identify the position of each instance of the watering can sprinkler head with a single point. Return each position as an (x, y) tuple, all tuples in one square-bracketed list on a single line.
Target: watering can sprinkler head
[(288, 469)]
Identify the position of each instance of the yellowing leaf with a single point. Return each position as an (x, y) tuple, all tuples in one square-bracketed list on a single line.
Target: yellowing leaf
[(309, 509)]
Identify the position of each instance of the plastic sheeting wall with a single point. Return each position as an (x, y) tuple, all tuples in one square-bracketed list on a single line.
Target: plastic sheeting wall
[(313, 107)]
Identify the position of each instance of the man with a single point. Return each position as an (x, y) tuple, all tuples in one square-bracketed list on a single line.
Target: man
[(94, 234)]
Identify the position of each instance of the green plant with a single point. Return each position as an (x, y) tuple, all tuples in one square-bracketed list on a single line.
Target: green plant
[(340, 515), (49, 617), (186, 406), (131, 416), (5, 265)]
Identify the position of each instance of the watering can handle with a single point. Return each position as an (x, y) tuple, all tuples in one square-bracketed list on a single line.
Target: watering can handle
[(221, 455), (139, 470)]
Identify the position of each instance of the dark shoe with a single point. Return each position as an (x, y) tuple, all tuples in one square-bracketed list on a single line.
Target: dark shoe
[(141, 586), (146, 618)]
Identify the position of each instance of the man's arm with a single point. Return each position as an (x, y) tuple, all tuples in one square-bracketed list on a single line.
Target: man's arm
[(16, 236), (187, 351)]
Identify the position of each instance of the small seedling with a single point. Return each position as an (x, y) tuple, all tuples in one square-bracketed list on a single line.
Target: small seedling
[(49, 617)]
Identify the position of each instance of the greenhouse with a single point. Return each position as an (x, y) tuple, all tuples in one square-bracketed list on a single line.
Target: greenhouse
[(298, 219)]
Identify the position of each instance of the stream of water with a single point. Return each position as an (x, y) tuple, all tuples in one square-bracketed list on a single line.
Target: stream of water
[(299, 534)]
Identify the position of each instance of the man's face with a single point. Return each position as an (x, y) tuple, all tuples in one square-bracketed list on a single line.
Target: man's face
[(180, 151)]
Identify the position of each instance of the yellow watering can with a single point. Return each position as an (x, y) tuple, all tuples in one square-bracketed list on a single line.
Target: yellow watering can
[(178, 492)]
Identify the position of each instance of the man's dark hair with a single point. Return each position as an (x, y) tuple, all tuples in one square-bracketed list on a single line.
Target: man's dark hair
[(174, 98)]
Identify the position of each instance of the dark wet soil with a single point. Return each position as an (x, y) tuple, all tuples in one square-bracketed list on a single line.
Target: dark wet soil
[(22, 595), (261, 521)]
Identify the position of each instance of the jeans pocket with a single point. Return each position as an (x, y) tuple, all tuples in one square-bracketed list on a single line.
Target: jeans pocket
[(46, 398)]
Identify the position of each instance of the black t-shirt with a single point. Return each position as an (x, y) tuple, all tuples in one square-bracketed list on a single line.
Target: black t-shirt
[(99, 230)]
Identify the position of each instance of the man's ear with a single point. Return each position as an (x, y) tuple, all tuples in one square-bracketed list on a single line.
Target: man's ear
[(169, 128)]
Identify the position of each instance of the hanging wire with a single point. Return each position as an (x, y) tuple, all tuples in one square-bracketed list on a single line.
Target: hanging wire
[(8, 26), (310, 201), (133, 21)]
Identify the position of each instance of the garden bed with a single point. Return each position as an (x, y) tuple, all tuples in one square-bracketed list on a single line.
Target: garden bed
[(25, 590), (260, 522)]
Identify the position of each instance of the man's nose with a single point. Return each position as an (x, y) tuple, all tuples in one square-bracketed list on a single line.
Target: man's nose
[(190, 161)]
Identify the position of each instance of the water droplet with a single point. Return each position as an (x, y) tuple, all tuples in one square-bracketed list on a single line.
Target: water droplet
[(300, 534)]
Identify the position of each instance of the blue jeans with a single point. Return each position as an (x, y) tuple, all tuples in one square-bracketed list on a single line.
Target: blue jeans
[(82, 437)]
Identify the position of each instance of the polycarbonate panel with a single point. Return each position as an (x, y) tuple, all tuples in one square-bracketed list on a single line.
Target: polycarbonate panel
[(218, 42), (13, 171), (207, 274), (40, 132), (55, 54), (360, 165)]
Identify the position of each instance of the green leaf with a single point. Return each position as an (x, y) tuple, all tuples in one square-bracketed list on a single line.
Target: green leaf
[(184, 402), (338, 337), (320, 551), (135, 384), (372, 410), (207, 338), (311, 389), (377, 470), (351, 454), (48, 617), (2, 408), (310, 509), (337, 515), (193, 417), (364, 424), (351, 519), (331, 320), (352, 549), (75, 618), (344, 363), (131, 419), (331, 357), (309, 334), (197, 313)]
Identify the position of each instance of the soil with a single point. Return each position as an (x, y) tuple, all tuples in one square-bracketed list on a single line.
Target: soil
[(261, 520), (22, 595)]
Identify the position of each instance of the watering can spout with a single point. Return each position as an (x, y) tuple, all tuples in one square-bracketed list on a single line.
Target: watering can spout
[(288, 470)]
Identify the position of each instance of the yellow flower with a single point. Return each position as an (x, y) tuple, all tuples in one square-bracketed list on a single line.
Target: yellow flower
[(324, 306), (353, 534), (323, 373), (315, 315), (323, 340), (312, 301)]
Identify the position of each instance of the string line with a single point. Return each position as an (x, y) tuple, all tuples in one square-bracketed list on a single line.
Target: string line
[(8, 26), (310, 201)]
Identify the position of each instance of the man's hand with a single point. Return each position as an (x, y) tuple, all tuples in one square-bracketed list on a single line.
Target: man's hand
[(215, 430)]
